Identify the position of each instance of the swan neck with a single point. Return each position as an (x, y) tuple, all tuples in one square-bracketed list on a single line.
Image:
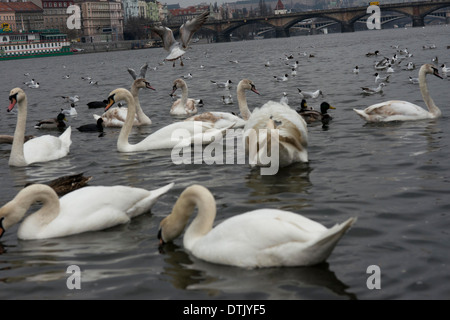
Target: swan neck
[(16, 209), (426, 94), (141, 116), (184, 95), (192, 197), (242, 103), (17, 157), (122, 142)]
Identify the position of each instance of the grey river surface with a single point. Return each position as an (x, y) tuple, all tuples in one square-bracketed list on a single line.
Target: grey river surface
[(394, 177)]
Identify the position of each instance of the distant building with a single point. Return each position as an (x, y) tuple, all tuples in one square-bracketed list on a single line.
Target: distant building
[(279, 8), (101, 20), (55, 14), (21, 16)]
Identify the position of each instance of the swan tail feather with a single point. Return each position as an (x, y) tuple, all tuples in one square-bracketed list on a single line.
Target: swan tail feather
[(65, 137), (322, 247), (361, 113), (147, 203)]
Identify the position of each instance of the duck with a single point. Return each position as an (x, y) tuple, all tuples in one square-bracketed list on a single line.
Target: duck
[(91, 208), (97, 104), (303, 107), (193, 132), (65, 184), (396, 110), (8, 139), (290, 136), (367, 90), (187, 30), (184, 105), (356, 70), (313, 116), (70, 112), (39, 149), (97, 127), (53, 123), (261, 238), (310, 94), (115, 117), (219, 119), (444, 68)]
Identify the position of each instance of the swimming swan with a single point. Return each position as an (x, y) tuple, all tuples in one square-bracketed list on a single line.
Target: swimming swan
[(190, 131), (395, 110), (226, 119), (291, 136), (86, 209), (255, 239), (184, 105), (115, 117), (40, 149)]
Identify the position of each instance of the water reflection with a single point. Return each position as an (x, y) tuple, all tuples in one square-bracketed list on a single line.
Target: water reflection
[(187, 272)]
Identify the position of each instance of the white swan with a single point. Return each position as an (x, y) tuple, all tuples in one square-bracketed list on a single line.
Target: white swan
[(184, 105), (178, 134), (395, 110), (225, 119), (115, 117), (255, 239), (40, 149), (291, 136), (86, 209)]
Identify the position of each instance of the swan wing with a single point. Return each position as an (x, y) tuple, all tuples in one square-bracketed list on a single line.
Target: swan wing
[(267, 238), (95, 208), (47, 147), (394, 110)]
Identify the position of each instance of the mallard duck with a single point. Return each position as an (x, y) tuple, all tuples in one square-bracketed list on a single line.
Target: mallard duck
[(54, 123), (312, 116), (303, 107), (66, 184)]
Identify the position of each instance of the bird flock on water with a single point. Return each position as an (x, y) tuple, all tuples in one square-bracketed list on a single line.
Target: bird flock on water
[(254, 239)]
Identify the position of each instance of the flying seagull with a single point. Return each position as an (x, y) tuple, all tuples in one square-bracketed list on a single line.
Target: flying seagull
[(176, 49)]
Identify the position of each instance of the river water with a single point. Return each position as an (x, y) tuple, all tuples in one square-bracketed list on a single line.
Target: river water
[(394, 177)]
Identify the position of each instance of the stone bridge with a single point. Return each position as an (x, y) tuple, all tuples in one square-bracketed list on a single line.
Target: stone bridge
[(345, 16)]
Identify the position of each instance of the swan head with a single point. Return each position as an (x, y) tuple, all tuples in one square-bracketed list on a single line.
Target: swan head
[(15, 95), (247, 84), (178, 84), (142, 83), (430, 69)]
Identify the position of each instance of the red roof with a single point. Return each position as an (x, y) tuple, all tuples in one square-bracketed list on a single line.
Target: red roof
[(23, 6), (279, 6), (5, 8)]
